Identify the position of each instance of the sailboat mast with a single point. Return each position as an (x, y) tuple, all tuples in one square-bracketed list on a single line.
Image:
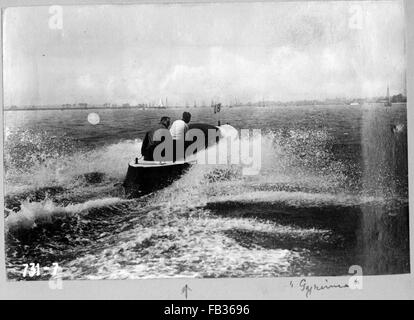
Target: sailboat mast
[(388, 99), (388, 94)]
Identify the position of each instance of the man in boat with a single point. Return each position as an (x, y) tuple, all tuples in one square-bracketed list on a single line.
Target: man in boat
[(151, 141), (178, 130)]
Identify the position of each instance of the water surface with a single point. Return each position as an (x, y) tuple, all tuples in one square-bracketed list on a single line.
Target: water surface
[(332, 192)]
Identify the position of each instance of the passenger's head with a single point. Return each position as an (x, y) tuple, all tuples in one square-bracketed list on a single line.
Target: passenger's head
[(165, 121), (186, 116)]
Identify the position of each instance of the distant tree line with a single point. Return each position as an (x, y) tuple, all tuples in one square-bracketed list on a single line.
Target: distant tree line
[(398, 98)]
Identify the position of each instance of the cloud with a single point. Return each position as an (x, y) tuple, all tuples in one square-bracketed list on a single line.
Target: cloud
[(85, 82), (248, 51)]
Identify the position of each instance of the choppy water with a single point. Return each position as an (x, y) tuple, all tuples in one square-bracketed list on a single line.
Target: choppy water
[(332, 193)]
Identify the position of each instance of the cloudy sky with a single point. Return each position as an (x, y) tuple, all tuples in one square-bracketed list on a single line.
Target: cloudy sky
[(187, 52)]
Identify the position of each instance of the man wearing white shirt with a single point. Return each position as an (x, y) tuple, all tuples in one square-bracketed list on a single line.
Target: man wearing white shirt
[(178, 130)]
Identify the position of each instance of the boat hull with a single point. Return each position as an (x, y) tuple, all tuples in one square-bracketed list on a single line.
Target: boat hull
[(144, 178)]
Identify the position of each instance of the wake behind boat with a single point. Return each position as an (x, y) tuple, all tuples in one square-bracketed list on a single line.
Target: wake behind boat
[(145, 176)]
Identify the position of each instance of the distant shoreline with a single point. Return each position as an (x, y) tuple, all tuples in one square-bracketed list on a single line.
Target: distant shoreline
[(75, 108), (192, 107)]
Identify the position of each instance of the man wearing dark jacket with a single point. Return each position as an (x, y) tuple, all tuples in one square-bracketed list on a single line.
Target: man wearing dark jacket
[(149, 144)]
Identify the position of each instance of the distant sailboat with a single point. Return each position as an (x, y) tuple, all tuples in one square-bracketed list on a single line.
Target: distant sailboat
[(161, 104), (388, 100)]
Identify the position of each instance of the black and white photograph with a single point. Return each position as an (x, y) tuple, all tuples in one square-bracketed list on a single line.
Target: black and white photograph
[(205, 140)]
